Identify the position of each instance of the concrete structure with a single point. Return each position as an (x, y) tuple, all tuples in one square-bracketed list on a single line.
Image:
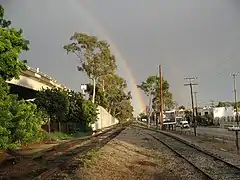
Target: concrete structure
[(32, 80), (225, 116), (205, 110), (35, 80), (104, 119)]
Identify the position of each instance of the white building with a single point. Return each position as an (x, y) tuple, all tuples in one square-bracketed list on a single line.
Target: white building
[(205, 110), (224, 115)]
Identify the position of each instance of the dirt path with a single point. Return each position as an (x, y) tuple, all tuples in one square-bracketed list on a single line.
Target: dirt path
[(134, 155)]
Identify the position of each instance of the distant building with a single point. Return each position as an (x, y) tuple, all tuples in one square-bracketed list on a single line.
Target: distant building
[(224, 115), (205, 111)]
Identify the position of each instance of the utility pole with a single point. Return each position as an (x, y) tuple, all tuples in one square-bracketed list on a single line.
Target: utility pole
[(161, 98), (149, 110), (234, 75), (191, 91), (212, 109), (195, 95)]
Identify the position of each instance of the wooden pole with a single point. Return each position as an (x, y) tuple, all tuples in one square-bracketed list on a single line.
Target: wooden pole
[(236, 107), (191, 91), (161, 98)]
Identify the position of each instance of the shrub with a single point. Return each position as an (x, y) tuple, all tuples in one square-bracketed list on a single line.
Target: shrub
[(20, 122)]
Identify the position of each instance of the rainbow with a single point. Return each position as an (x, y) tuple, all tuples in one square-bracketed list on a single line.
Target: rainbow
[(137, 101)]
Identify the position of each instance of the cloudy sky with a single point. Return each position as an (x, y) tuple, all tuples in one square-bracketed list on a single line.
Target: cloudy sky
[(199, 38)]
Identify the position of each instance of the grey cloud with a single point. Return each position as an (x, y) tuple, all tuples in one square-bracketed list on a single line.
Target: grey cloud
[(189, 38)]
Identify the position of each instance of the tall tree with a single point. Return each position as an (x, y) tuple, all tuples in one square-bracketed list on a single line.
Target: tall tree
[(94, 56), (115, 99), (151, 87), (114, 91), (12, 44), (100, 95)]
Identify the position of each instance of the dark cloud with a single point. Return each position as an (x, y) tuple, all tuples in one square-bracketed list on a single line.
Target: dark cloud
[(190, 38)]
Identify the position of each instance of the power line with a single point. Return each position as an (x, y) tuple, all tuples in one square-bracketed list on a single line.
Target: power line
[(190, 84)]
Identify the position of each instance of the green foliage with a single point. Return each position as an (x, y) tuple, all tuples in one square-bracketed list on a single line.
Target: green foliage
[(89, 112), (75, 103), (20, 122), (182, 107), (114, 98), (57, 136), (26, 123), (67, 106), (143, 116), (12, 44), (94, 56), (152, 87), (188, 115), (100, 97), (54, 102), (227, 104), (118, 100), (81, 110), (99, 64), (206, 120)]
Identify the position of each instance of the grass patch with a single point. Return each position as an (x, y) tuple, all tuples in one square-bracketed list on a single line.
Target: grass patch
[(90, 158), (81, 134), (60, 136), (55, 136)]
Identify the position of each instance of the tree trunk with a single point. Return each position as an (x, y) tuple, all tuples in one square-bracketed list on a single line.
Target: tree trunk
[(49, 125), (94, 90), (110, 108), (59, 126)]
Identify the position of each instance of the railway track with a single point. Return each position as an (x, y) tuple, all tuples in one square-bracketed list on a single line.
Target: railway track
[(64, 165), (212, 167), (59, 158)]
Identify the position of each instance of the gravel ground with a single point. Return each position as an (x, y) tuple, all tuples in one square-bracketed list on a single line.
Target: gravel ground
[(226, 150), (215, 168), (214, 143), (134, 155)]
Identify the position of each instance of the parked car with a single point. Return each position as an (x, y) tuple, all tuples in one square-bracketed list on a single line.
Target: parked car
[(144, 120), (184, 124), (233, 128)]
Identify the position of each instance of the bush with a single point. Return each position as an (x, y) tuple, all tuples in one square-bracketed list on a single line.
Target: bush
[(81, 111), (20, 122), (64, 106), (27, 121)]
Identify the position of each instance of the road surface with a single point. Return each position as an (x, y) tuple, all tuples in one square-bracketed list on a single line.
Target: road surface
[(215, 132)]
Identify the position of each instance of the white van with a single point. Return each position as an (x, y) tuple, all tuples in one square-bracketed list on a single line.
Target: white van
[(184, 124)]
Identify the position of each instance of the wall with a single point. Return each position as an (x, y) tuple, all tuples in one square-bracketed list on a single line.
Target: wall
[(223, 112), (224, 116), (33, 79), (104, 119), (28, 82)]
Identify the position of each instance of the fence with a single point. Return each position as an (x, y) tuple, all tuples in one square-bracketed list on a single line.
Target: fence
[(67, 127), (104, 119)]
